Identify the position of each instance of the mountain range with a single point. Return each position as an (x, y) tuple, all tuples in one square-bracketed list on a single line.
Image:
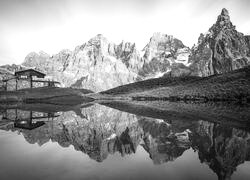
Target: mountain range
[(100, 64)]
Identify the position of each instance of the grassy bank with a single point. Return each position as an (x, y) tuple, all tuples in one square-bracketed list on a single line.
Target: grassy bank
[(233, 86), (45, 94)]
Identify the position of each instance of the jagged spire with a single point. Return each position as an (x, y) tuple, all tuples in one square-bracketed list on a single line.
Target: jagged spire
[(224, 19), (99, 38), (224, 12)]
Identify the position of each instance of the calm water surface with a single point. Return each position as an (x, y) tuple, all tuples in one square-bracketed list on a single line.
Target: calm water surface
[(100, 142)]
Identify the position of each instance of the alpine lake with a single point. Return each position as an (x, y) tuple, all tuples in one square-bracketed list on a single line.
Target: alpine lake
[(125, 141)]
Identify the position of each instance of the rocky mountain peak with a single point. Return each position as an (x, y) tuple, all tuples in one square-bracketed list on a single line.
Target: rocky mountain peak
[(42, 53), (127, 52), (164, 41), (224, 12), (221, 50), (34, 59), (98, 46), (223, 19), (98, 39), (223, 23), (161, 54)]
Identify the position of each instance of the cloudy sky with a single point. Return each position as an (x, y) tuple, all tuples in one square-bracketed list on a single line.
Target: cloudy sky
[(52, 25)]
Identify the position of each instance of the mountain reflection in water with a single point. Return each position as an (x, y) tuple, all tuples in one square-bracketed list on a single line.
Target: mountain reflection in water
[(164, 133)]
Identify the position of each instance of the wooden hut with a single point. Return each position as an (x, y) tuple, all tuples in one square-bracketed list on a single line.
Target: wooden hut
[(30, 75)]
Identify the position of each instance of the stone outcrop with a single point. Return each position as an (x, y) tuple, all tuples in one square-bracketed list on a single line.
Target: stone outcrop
[(222, 49)]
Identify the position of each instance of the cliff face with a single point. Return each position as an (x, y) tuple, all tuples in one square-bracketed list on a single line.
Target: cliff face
[(100, 64), (97, 64), (162, 54), (222, 49)]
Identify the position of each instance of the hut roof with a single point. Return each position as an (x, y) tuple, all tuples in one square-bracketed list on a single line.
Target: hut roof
[(30, 72)]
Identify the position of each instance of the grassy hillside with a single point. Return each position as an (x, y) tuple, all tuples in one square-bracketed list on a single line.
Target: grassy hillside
[(230, 86), (46, 94)]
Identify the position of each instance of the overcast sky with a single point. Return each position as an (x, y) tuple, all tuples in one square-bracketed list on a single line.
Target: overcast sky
[(53, 25)]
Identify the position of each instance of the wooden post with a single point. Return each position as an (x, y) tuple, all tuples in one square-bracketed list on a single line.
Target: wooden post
[(31, 86), (30, 119), (16, 113), (16, 83), (6, 85), (5, 114)]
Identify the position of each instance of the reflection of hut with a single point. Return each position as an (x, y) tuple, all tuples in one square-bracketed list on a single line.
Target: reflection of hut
[(26, 119), (28, 124), (26, 79)]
